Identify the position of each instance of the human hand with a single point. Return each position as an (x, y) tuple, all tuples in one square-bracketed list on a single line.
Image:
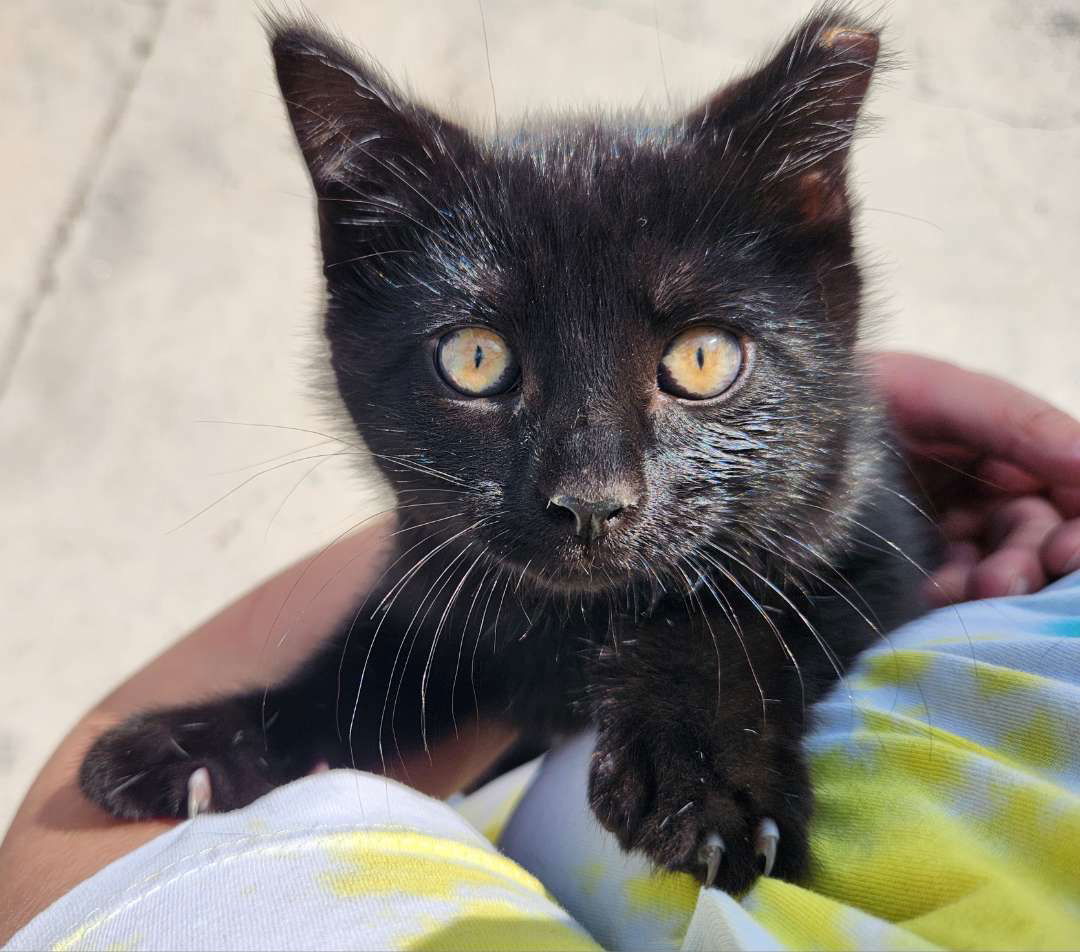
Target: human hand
[(1000, 468)]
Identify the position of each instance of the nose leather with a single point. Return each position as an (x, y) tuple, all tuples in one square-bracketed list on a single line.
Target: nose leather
[(592, 518)]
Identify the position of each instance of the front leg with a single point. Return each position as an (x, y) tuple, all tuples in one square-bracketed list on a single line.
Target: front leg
[(691, 767), (371, 696), (186, 760)]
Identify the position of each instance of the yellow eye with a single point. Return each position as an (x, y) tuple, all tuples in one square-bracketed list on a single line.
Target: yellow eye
[(477, 362), (700, 363)]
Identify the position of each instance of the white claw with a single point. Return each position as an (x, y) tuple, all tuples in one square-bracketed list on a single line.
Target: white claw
[(198, 793), (710, 854), (766, 841)]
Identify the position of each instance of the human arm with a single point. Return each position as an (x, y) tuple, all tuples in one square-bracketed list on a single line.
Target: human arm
[(58, 838)]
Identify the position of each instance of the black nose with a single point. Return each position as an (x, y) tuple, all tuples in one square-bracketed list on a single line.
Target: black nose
[(591, 519)]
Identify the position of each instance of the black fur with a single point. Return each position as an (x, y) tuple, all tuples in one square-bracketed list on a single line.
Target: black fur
[(759, 551)]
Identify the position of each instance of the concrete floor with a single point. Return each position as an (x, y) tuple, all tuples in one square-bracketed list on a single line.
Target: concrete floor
[(158, 271)]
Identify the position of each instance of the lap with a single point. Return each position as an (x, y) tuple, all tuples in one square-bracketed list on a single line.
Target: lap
[(947, 779)]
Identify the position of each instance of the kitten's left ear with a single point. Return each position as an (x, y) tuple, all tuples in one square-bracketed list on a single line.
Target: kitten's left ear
[(787, 128)]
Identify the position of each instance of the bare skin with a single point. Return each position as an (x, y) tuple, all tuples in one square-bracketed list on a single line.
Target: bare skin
[(1001, 469), (1000, 466), (58, 838)]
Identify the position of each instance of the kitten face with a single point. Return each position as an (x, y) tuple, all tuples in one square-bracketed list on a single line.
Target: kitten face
[(570, 259)]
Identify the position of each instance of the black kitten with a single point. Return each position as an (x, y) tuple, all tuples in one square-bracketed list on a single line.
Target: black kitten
[(610, 370)]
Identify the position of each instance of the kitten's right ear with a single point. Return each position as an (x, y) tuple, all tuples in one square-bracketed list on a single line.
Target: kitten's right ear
[(358, 134)]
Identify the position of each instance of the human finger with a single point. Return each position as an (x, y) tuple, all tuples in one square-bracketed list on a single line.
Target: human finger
[(949, 583), (1061, 549), (1001, 476), (1014, 536), (932, 400), (1006, 572), (1019, 523), (1067, 501), (963, 523)]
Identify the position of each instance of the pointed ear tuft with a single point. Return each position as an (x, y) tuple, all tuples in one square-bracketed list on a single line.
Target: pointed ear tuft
[(790, 124), (860, 43), (357, 132)]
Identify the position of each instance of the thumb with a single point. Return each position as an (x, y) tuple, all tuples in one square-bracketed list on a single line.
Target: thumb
[(935, 401)]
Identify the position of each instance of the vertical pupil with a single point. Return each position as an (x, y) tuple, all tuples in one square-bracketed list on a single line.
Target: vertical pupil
[(701, 357), (478, 357)]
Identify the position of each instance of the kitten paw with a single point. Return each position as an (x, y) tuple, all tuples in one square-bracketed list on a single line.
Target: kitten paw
[(180, 764), (725, 814)]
